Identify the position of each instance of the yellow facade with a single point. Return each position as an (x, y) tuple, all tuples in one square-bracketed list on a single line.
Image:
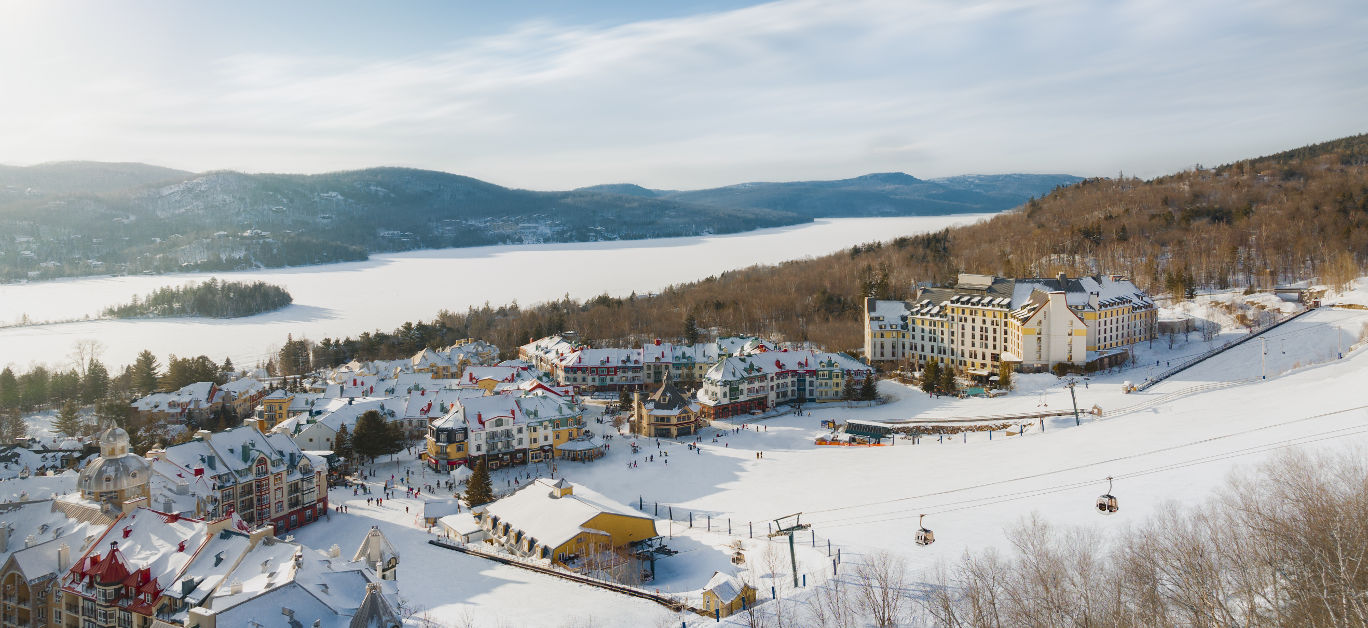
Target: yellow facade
[(275, 410), (713, 604)]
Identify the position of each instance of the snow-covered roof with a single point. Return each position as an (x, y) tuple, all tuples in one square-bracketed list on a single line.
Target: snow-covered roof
[(244, 386), (236, 450), (440, 508), (461, 523), (550, 520), (1111, 291), (192, 396), (335, 414), (726, 587), (777, 362), (37, 522), (279, 578)]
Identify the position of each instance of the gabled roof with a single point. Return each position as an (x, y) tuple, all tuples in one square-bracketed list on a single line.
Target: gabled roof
[(726, 587), (667, 397), (550, 520)]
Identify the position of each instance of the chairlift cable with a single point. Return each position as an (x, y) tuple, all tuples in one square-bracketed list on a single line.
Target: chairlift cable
[(969, 504), (1093, 464)]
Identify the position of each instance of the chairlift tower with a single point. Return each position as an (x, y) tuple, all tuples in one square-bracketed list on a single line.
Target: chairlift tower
[(782, 530), (1073, 381)]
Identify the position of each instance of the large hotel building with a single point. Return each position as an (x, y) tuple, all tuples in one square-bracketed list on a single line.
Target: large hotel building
[(984, 324)]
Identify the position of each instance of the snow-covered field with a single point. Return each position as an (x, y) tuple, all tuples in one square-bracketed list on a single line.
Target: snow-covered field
[(1177, 447), (387, 290)]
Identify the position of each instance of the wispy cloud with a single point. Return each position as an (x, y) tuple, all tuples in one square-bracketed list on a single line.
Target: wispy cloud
[(776, 91)]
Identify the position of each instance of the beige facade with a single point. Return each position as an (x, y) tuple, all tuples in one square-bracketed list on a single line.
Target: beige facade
[(985, 322)]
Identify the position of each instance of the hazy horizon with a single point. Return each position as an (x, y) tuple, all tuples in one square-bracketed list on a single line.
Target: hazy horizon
[(685, 96)]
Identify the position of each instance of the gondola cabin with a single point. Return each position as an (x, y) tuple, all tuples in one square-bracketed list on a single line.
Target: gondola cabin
[(924, 535), (1106, 503)]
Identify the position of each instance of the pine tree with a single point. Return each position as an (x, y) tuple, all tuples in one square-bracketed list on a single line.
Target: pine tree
[(868, 391), (96, 383), (145, 373), (624, 400), (691, 330), (375, 436), (930, 382), (342, 444), (9, 389), (1005, 378), (948, 384), (68, 421), (478, 489), (12, 426), (228, 365)]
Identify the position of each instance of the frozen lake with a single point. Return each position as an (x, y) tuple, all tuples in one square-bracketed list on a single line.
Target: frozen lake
[(386, 290)]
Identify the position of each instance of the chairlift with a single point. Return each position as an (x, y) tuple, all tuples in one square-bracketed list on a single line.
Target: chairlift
[(924, 536), (1106, 503)]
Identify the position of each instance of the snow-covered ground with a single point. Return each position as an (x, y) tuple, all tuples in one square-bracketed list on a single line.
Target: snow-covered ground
[(1173, 443), (1176, 444)]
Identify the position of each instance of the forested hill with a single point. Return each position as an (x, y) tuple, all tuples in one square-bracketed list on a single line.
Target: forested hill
[(883, 194), (1296, 215), (79, 218)]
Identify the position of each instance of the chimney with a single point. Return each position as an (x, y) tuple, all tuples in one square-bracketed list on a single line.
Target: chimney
[(30, 540), (1061, 276), (63, 557), (235, 587), (335, 551), (4, 536)]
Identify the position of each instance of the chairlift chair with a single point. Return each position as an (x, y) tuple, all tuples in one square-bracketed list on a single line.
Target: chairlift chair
[(1106, 503), (924, 536)]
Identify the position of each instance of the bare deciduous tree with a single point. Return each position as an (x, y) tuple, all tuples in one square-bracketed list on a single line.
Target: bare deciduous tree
[(1287, 546), (881, 580)]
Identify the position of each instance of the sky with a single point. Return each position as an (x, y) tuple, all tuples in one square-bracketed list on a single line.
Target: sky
[(680, 95)]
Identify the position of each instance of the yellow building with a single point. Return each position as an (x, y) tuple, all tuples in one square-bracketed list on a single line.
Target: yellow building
[(666, 413), (983, 323), (275, 408), (724, 595), (503, 430), (545, 519)]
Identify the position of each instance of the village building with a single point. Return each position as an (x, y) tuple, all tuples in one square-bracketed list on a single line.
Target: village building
[(431, 362), (39, 541), (760, 381), (150, 566), (244, 395), (266, 479), (546, 520), (984, 324), (318, 428), (287, 584), (726, 594), (503, 430), (573, 364), (666, 413), (191, 402), (118, 479)]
